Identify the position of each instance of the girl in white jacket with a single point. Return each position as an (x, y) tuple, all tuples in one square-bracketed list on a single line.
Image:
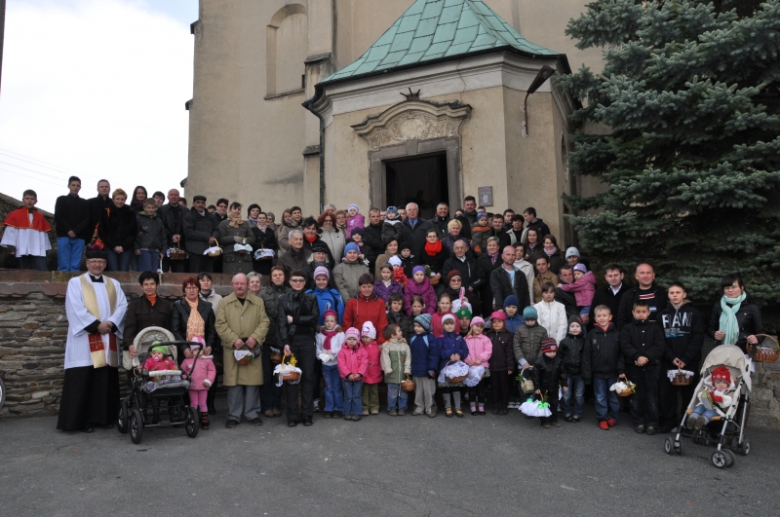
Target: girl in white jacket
[(329, 341), (552, 314)]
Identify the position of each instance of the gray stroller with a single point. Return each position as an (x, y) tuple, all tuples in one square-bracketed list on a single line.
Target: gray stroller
[(730, 427)]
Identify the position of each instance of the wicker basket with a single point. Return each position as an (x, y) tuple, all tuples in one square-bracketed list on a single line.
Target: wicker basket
[(526, 384), (407, 385), (289, 376), (455, 380), (765, 354), (628, 391), (680, 379), (216, 253), (244, 360), (178, 254)]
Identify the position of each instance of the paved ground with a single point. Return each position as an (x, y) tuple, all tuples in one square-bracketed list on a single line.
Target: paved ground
[(381, 466)]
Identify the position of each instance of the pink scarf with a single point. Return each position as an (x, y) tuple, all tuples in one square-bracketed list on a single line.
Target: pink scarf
[(328, 335)]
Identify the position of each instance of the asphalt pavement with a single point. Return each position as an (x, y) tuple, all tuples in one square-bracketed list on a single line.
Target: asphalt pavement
[(380, 466)]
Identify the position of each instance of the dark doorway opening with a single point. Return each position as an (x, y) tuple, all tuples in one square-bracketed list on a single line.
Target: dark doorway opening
[(419, 180)]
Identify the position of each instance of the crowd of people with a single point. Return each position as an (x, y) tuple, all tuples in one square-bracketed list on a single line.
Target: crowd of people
[(361, 302)]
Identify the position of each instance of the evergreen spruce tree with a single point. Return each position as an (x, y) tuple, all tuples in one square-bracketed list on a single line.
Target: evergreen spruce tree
[(690, 93)]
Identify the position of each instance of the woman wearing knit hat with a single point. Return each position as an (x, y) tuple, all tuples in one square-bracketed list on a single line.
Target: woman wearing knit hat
[(347, 273), (425, 365)]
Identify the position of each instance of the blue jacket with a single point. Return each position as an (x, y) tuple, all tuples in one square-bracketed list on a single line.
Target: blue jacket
[(425, 356), (514, 322), (328, 299), (451, 343)]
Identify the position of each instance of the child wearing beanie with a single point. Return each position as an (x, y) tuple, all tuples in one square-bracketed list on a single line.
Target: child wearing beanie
[(512, 311), (480, 349), (373, 376), (570, 351), (452, 348), (425, 364), (502, 361), (353, 366), (329, 341), (528, 339), (392, 227), (548, 375), (328, 297), (714, 400), (354, 218), (420, 285)]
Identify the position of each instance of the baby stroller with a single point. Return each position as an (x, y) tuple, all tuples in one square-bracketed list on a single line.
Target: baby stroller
[(720, 429), (149, 388)]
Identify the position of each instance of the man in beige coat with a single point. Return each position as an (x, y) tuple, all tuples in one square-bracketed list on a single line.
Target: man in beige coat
[(242, 325)]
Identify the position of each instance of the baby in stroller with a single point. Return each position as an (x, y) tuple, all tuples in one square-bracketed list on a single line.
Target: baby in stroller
[(714, 399), (157, 361)]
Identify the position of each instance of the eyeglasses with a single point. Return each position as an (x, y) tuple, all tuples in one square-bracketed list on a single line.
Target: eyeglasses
[(297, 280)]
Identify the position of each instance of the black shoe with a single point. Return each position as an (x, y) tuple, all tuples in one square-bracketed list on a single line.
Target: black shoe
[(87, 429), (568, 418), (231, 424), (307, 422), (650, 430), (338, 414), (640, 429), (212, 410), (317, 405), (575, 419), (256, 421), (327, 414), (664, 429), (292, 423), (356, 418)]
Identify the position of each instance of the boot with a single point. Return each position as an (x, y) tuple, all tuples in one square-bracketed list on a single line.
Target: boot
[(204, 420), (210, 399)]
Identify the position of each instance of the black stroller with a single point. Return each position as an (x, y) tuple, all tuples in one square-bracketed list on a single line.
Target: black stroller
[(151, 388)]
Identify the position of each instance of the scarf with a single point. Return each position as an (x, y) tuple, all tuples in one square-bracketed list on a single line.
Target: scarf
[(235, 222), (728, 318), (433, 249), (262, 227), (196, 327), (493, 257), (252, 221), (328, 336), (152, 299), (551, 252), (311, 240)]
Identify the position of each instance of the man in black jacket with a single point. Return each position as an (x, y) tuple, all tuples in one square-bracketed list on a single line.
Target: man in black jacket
[(417, 228), (611, 294), (497, 231), (98, 205), (683, 328), (470, 213), (508, 280), (198, 227), (532, 222), (298, 315), (646, 291), (372, 237), (172, 216), (71, 218), (441, 219), (466, 265)]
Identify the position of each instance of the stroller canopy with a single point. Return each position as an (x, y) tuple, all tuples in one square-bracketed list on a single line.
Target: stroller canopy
[(732, 357)]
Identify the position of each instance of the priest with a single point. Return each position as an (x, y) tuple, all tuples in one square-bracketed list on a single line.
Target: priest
[(95, 307)]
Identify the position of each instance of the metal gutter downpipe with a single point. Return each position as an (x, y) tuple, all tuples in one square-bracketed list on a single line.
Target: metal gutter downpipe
[(309, 106)]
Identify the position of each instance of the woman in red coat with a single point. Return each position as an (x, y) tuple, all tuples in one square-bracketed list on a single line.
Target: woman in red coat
[(366, 306)]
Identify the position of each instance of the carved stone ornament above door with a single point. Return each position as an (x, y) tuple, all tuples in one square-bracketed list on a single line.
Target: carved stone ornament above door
[(413, 120)]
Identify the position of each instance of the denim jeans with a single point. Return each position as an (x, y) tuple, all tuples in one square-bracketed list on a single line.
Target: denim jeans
[(118, 261), (334, 398), (607, 402), (577, 392), (396, 397), (352, 400), (148, 260), (69, 253), (706, 413)]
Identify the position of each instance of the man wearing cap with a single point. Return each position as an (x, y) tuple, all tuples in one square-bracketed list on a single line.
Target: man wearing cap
[(508, 280), (198, 226), (95, 306)]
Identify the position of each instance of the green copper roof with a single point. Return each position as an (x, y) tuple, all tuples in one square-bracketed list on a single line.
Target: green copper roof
[(436, 29)]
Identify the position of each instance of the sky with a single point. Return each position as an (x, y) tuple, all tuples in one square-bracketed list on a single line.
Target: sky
[(96, 89)]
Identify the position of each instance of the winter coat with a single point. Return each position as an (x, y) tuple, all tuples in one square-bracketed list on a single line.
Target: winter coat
[(239, 321), (606, 297), (72, 214), (204, 371), (319, 243), (173, 220), (361, 309), (392, 229), (270, 296), (684, 332), (180, 314), (436, 328), (721, 400), (425, 354), (584, 289), (334, 239), (346, 276), (374, 372), (602, 357), (480, 349), (549, 374), (305, 312), (358, 221), (283, 237), (381, 260), (624, 316), (372, 236), (528, 343), (502, 358), (292, 260), (451, 343), (384, 291), (434, 262), (336, 342), (425, 291), (166, 363), (748, 319), (529, 272), (643, 338), (213, 298), (151, 233), (233, 262), (198, 229), (402, 320), (328, 299), (418, 234), (353, 360), (396, 360), (501, 288), (539, 281), (513, 323), (479, 237), (570, 349), (141, 315), (119, 228), (552, 316)]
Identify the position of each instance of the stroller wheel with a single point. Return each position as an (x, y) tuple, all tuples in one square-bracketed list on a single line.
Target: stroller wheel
[(123, 420), (745, 449), (191, 424), (668, 446), (136, 426), (723, 458)]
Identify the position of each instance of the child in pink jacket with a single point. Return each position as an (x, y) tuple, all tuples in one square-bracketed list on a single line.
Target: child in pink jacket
[(370, 390), (480, 350), (201, 378), (353, 366), (354, 219), (584, 289), (419, 285)]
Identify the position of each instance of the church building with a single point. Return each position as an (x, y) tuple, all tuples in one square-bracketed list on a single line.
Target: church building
[(379, 103)]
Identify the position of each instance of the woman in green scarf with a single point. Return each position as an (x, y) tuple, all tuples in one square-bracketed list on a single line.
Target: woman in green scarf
[(735, 318)]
